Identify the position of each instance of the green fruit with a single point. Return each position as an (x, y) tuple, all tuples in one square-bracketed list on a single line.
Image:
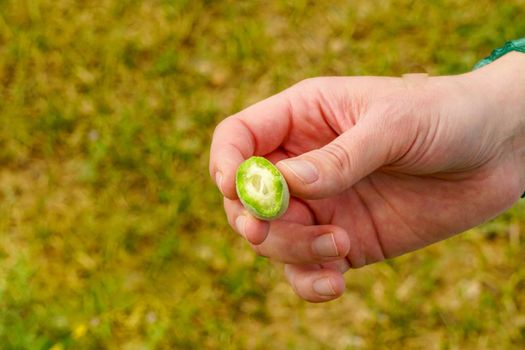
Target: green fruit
[(262, 188)]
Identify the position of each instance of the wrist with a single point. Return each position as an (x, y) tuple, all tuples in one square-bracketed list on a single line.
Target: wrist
[(501, 85)]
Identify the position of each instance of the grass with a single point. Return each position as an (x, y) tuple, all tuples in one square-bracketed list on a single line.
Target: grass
[(112, 235)]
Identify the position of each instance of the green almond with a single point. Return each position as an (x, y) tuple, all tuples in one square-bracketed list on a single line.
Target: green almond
[(262, 188)]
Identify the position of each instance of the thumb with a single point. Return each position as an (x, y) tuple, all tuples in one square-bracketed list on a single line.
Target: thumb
[(340, 164)]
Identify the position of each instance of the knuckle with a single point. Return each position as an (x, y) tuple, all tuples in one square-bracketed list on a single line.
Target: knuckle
[(337, 155), (312, 299), (338, 160), (221, 125), (309, 84), (218, 128)]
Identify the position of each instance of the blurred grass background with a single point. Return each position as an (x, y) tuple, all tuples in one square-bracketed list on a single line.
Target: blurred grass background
[(111, 233)]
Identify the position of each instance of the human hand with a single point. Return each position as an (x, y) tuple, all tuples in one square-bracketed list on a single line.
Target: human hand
[(377, 166)]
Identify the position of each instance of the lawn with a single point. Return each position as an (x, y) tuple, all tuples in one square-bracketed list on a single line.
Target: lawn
[(112, 235)]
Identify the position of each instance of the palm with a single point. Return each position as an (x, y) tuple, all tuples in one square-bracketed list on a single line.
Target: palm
[(389, 215)]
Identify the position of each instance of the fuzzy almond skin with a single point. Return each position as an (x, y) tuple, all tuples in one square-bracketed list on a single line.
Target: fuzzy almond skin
[(262, 188)]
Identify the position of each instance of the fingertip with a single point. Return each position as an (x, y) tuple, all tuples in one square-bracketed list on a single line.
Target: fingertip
[(225, 182), (218, 181), (329, 286), (301, 176), (341, 265), (338, 283), (223, 167), (315, 284), (255, 230), (229, 191)]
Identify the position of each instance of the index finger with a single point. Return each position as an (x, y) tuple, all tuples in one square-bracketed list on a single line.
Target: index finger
[(256, 130)]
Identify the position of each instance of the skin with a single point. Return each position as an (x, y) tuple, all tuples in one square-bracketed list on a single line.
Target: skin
[(394, 164)]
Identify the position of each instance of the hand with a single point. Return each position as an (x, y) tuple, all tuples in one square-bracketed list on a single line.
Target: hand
[(377, 166)]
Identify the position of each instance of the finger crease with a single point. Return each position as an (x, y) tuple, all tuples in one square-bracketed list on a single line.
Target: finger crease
[(341, 157), (374, 226), (393, 208)]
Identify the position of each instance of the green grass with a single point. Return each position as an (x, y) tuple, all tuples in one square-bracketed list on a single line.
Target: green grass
[(113, 236)]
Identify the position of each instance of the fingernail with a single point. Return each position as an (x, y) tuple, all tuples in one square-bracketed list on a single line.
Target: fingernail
[(239, 222), (323, 286), (218, 181), (303, 169), (325, 245)]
